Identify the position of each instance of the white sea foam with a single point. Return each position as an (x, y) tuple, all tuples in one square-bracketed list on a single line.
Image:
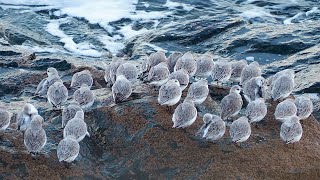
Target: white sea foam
[(100, 12), (313, 11), (255, 12), (289, 20), (84, 48), (172, 5)]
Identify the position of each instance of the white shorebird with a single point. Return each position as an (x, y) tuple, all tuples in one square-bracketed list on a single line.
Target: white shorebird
[(44, 85), (237, 67), (272, 79), (129, 71), (254, 88), (304, 107), (282, 87), (35, 137), (155, 59), (198, 91), (232, 103), (285, 110), (57, 94), (76, 127), (204, 66), (4, 119), (25, 116), (187, 63), (170, 93), (250, 71), (291, 130), (185, 114), (121, 89), (68, 149), (172, 60), (256, 110), (182, 76), (159, 74), (84, 96), (83, 77), (113, 69), (240, 130), (69, 112), (221, 71), (213, 128)]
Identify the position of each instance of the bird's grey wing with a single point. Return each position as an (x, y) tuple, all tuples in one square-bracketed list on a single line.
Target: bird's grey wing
[(40, 86), (229, 106)]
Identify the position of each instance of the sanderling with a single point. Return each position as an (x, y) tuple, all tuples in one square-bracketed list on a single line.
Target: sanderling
[(35, 137), (304, 106), (159, 74), (285, 109), (156, 58), (291, 130), (187, 63), (232, 103), (256, 110), (282, 87), (172, 60), (113, 69), (170, 93), (213, 129), (76, 127), (68, 149), (198, 91), (57, 94), (129, 71), (240, 130), (44, 85), (250, 71), (83, 77), (204, 66), (25, 116), (4, 119), (69, 112), (84, 96), (182, 76), (272, 79), (185, 114), (121, 89), (237, 67), (254, 88), (221, 71)]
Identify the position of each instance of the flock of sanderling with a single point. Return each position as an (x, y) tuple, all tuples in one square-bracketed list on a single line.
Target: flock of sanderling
[(170, 76)]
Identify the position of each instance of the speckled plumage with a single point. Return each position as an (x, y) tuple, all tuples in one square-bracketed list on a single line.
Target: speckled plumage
[(25, 116), (232, 103), (272, 79), (285, 109), (304, 107), (237, 67), (69, 112), (4, 119), (256, 110), (68, 149), (44, 85), (35, 137), (221, 71), (250, 71), (187, 63), (254, 88), (113, 69), (159, 74), (80, 78), (172, 60), (170, 93), (57, 94), (76, 127), (240, 130), (182, 76), (155, 59), (198, 91), (184, 115), (291, 130), (84, 96), (282, 87), (213, 128), (121, 89), (204, 66), (129, 71)]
